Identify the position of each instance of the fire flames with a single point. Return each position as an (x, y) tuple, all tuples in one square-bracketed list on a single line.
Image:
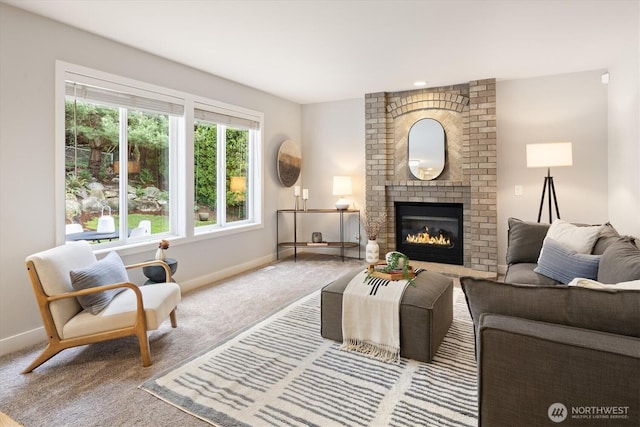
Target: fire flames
[(424, 238)]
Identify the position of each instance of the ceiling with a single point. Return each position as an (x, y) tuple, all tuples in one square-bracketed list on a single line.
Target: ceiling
[(311, 51)]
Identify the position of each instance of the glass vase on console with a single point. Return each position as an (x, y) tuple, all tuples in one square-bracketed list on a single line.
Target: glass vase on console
[(372, 252)]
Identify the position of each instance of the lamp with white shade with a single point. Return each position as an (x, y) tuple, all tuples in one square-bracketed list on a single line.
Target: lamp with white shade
[(549, 155), (342, 188)]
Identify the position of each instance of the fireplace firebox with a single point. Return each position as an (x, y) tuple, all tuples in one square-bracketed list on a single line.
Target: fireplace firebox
[(430, 231)]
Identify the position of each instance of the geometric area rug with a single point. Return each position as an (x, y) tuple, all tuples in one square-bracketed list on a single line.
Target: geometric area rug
[(281, 372)]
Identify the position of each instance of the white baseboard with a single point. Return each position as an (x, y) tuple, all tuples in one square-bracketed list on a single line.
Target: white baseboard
[(208, 279), (22, 340)]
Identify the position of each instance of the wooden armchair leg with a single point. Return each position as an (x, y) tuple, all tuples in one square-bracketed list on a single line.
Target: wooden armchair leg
[(47, 353), (172, 316), (144, 349)]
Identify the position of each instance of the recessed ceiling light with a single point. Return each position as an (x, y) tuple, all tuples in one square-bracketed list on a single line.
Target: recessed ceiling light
[(420, 83)]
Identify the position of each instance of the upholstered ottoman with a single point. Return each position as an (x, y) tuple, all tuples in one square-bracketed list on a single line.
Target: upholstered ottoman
[(426, 311)]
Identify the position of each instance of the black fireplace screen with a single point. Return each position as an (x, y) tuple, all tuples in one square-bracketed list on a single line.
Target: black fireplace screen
[(430, 231)]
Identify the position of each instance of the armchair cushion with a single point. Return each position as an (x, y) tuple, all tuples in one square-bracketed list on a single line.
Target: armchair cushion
[(107, 271), (159, 300)]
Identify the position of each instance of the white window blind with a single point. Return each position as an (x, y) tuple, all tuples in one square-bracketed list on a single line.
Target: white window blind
[(230, 120), (113, 98)]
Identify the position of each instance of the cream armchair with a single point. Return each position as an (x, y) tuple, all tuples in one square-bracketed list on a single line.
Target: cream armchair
[(122, 308)]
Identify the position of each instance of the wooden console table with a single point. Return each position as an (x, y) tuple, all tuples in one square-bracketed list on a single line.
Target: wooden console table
[(342, 244)]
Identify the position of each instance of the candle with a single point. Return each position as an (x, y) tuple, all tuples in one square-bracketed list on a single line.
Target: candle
[(296, 190), (305, 194)]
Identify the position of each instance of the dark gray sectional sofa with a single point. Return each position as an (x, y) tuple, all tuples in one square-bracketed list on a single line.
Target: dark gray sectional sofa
[(526, 241), (552, 354)]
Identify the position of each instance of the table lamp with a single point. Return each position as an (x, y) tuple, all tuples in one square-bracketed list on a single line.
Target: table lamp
[(342, 188), (549, 155), (238, 184)]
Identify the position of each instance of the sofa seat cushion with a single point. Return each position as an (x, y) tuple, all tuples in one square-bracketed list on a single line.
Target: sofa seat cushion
[(613, 311), (524, 273), (159, 300)]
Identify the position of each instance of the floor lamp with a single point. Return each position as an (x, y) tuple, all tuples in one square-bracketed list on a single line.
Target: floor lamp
[(547, 156)]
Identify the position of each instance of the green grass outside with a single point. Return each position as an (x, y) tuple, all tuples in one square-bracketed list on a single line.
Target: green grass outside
[(159, 223)]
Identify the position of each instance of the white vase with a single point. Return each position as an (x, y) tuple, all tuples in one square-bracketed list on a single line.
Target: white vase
[(160, 254), (372, 252)]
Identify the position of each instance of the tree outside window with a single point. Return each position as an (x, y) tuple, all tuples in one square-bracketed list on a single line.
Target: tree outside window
[(95, 135), (208, 137)]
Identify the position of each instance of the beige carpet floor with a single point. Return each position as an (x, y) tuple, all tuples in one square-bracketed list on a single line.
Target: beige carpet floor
[(97, 385)]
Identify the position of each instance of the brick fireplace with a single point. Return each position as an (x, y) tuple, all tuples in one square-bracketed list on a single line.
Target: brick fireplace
[(467, 113)]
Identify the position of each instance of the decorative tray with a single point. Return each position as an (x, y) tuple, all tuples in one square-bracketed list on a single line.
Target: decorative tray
[(394, 275)]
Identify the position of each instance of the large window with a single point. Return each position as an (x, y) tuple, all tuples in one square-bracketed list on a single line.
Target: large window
[(126, 171), (223, 148)]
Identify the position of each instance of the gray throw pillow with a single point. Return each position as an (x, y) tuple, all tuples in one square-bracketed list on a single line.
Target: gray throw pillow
[(620, 262), (525, 241), (608, 235), (107, 271), (563, 264), (615, 311)]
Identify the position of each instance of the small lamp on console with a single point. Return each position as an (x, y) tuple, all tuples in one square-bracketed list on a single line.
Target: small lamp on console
[(342, 188), (546, 156)]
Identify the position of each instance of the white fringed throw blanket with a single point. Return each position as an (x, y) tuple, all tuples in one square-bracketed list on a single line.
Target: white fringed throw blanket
[(371, 317)]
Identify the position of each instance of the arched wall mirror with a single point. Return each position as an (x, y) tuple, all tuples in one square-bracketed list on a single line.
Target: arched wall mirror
[(426, 149)]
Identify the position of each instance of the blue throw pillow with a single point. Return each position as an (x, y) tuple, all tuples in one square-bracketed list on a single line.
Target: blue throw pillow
[(107, 271), (563, 264)]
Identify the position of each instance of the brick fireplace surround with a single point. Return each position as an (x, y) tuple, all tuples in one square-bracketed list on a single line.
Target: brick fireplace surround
[(468, 114)]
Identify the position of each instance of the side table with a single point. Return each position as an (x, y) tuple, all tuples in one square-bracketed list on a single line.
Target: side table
[(156, 273)]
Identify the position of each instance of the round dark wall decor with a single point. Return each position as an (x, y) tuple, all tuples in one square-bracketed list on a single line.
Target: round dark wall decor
[(289, 163)]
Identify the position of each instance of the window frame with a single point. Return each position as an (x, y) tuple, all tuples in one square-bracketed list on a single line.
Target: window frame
[(253, 173), (181, 164)]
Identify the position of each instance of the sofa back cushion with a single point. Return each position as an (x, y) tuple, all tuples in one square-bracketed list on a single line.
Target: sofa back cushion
[(525, 241), (614, 311), (608, 236), (620, 262)]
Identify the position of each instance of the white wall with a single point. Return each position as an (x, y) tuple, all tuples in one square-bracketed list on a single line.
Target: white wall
[(29, 47), (567, 107), (624, 140), (333, 142)]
